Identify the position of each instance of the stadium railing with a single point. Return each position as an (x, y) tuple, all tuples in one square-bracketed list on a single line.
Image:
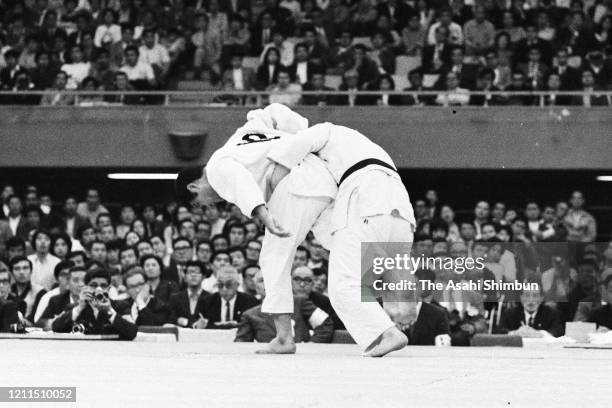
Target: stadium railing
[(254, 98)]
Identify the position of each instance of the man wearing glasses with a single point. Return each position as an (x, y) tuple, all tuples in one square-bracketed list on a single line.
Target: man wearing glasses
[(224, 308), (94, 313), (142, 308)]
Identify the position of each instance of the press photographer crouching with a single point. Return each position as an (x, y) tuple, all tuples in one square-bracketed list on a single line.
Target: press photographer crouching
[(95, 313)]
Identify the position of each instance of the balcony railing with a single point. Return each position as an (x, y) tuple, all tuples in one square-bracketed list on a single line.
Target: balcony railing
[(220, 98)]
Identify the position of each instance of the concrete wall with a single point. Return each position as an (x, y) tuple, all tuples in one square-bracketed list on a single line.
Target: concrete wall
[(494, 138)]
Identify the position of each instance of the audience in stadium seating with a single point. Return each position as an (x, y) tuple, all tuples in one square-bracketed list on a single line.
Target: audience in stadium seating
[(183, 41), (207, 277)]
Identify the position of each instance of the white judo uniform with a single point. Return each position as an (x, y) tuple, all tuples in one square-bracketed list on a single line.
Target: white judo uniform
[(372, 205), (240, 173)]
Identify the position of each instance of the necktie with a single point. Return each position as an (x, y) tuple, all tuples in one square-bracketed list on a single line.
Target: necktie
[(530, 321), (227, 311)]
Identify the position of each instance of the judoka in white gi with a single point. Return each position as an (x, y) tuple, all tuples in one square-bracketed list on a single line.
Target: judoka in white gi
[(372, 205), (288, 203)]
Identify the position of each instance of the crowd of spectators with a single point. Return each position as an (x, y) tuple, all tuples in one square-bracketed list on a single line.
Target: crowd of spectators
[(74, 267), (460, 45)]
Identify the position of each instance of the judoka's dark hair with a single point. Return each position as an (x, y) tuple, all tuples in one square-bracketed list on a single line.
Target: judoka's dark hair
[(185, 177)]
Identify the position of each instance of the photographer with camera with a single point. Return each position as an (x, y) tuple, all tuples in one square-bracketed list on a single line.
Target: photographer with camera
[(95, 313)]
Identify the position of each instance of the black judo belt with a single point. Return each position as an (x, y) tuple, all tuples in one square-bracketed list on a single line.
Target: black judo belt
[(364, 163)]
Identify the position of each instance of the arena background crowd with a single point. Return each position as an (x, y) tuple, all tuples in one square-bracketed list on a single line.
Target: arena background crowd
[(285, 47), (72, 266)]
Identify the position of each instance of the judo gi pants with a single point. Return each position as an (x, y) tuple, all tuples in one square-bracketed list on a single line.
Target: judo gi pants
[(297, 214), (365, 321)]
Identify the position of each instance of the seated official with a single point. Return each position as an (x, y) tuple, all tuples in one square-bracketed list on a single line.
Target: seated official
[(58, 304), (603, 314), (186, 307), (531, 318), (310, 324), (142, 308), (8, 309), (432, 319), (223, 309), (303, 285), (95, 313)]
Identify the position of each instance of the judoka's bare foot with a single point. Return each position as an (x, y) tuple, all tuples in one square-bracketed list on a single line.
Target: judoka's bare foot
[(276, 346), (392, 339)]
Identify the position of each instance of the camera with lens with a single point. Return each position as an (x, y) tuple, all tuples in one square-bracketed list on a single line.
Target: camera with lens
[(100, 296)]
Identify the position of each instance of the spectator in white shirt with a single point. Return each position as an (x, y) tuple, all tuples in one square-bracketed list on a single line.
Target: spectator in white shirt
[(454, 95), (154, 54), (292, 96), (109, 32), (77, 70), (43, 263), (455, 31), (137, 71)]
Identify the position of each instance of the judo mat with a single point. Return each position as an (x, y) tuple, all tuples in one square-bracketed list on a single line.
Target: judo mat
[(130, 374)]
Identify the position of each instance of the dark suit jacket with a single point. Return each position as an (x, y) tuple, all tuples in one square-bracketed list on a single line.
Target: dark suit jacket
[(263, 79), (258, 326), (165, 290), (310, 68), (401, 13), (58, 304), (546, 318), (154, 314), (570, 79), (322, 302), (8, 315), (179, 307), (427, 58), (602, 316), (359, 99), (212, 307), (99, 325), (79, 221), (431, 322), (596, 100), (248, 77), (467, 75), (522, 51)]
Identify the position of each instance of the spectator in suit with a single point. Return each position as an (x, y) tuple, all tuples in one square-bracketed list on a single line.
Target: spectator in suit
[(8, 74), (162, 289), (16, 220), (122, 84), (534, 69), (467, 73), (530, 41), (267, 72), (257, 326), (303, 279), (316, 45), (602, 72), (224, 308), (519, 84), (142, 307), (95, 313), (603, 314), (531, 318), (432, 320), (302, 69), (153, 226), (554, 98), (342, 55), (502, 72), (350, 83), (317, 83), (570, 77), (71, 220), (56, 95), (365, 67), (43, 75), (25, 291), (438, 54), (577, 37), (182, 252), (585, 292), (485, 84), (382, 54), (262, 33), (398, 12), (9, 315), (57, 298), (187, 306), (385, 83), (243, 77), (415, 77)]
